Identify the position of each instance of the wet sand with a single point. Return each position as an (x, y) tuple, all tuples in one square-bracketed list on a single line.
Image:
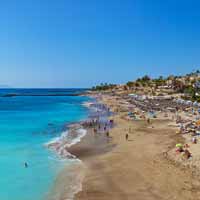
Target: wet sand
[(68, 182), (137, 169)]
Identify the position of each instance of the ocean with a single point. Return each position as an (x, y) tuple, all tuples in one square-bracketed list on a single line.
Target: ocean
[(29, 118)]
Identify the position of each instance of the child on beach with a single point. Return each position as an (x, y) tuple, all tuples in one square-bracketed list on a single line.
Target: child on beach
[(187, 154)]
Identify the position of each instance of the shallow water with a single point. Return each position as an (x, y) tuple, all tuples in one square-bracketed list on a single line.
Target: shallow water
[(26, 123)]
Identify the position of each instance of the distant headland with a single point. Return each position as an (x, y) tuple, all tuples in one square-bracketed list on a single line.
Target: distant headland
[(186, 86)]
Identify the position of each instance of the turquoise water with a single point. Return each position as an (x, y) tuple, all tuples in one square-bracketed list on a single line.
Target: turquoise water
[(26, 123)]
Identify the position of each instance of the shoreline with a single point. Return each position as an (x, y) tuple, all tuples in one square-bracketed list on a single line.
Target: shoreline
[(67, 147)]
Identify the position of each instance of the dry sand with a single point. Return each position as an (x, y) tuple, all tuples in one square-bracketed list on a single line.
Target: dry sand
[(136, 169)]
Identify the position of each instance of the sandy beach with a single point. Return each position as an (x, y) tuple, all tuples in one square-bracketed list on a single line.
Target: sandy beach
[(100, 100), (137, 168)]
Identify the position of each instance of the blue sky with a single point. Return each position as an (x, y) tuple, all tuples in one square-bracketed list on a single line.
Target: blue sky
[(80, 43)]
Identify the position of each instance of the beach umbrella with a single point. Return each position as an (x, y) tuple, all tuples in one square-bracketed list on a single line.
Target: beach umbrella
[(195, 104), (179, 145)]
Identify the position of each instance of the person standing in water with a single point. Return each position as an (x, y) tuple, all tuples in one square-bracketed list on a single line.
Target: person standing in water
[(26, 165)]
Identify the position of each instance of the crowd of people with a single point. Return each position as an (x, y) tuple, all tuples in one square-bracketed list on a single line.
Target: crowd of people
[(99, 120), (185, 115)]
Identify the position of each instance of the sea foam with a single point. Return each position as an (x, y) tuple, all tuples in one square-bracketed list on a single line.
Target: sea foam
[(66, 140)]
